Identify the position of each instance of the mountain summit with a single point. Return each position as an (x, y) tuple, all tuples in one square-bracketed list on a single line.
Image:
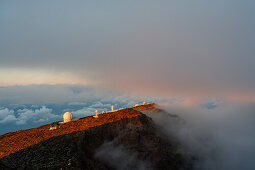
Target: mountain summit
[(125, 139)]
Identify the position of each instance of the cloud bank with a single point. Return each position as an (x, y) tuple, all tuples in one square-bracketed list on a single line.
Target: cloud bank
[(23, 107), (25, 116), (119, 157), (204, 48), (222, 138)]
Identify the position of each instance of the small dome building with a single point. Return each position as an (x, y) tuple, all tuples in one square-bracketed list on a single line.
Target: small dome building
[(67, 117)]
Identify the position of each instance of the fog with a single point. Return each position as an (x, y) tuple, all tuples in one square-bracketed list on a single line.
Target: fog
[(120, 158), (221, 138)]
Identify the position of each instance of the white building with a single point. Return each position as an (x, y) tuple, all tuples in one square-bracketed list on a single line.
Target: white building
[(96, 116), (67, 117), (136, 105)]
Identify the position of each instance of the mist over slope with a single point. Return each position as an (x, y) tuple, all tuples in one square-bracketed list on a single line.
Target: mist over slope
[(221, 138)]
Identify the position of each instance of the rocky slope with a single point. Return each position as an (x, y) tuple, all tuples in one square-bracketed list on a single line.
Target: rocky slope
[(15, 141), (128, 140)]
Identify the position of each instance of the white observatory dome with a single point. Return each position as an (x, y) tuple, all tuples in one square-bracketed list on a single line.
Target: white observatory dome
[(144, 103), (67, 117)]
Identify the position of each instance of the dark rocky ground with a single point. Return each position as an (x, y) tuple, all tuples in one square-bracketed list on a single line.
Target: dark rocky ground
[(15, 141), (129, 143)]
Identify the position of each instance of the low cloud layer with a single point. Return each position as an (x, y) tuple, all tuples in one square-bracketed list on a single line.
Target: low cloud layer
[(24, 116), (222, 138), (12, 120), (72, 95), (24, 107), (7, 116)]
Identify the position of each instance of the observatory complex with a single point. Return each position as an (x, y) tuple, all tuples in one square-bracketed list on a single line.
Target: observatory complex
[(68, 117)]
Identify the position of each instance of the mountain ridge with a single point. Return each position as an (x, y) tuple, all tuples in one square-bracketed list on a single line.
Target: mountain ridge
[(128, 140), (13, 141)]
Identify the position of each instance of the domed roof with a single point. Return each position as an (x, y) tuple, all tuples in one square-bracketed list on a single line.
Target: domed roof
[(67, 117)]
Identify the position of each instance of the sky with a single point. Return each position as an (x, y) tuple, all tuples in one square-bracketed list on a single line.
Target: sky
[(169, 48)]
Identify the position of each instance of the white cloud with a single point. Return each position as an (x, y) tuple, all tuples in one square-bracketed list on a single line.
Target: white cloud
[(86, 111), (221, 138), (7, 116), (76, 103), (25, 116), (90, 110), (39, 115)]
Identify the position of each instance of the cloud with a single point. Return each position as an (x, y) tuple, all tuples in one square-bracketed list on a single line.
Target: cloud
[(86, 111), (221, 138), (73, 95), (120, 157), (90, 110), (27, 116), (159, 48), (7, 116), (212, 103), (41, 115), (76, 103)]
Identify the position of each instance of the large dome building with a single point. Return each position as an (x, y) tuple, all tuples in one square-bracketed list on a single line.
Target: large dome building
[(67, 117)]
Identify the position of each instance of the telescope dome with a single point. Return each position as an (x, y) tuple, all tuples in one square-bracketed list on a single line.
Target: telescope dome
[(67, 117)]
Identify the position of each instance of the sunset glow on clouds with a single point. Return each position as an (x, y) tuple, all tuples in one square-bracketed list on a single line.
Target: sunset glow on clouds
[(20, 76), (197, 50)]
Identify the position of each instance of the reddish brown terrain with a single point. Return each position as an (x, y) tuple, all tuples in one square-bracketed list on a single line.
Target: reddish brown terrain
[(148, 108), (125, 139), (15, 141)]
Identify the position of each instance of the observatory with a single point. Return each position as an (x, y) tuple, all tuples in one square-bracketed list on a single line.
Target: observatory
[(96, 116), (67, 117), (136, 105), (112, 109), (144, 103), (54, 126)]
